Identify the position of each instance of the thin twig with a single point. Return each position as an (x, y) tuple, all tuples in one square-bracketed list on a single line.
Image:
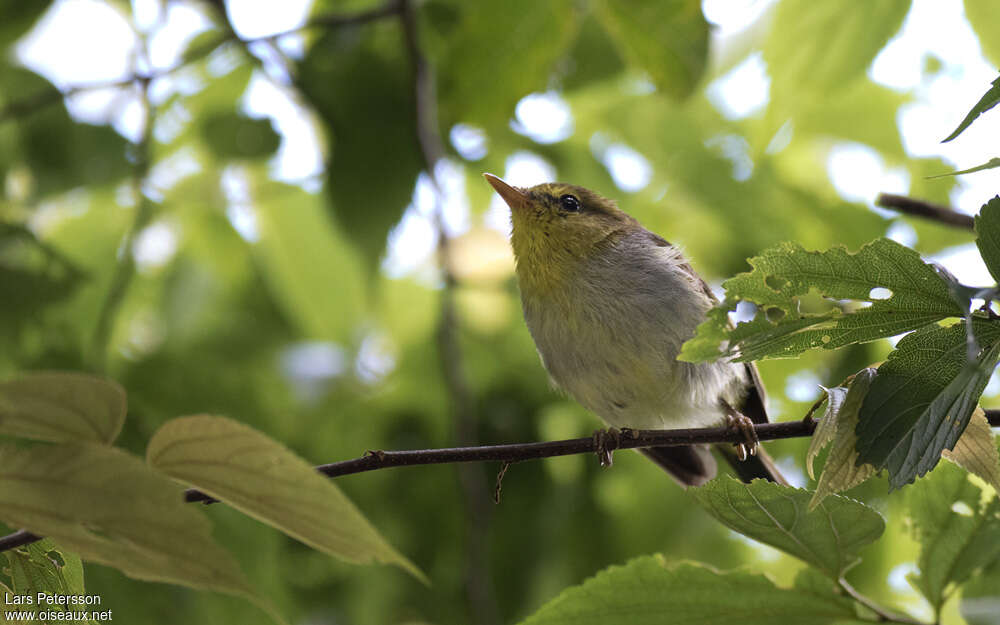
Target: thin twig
[(516, 452), (882, 614), (927, 210)]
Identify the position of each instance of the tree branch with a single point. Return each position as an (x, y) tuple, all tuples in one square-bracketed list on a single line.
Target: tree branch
[(517, 452), (927, 210), (883, 615)]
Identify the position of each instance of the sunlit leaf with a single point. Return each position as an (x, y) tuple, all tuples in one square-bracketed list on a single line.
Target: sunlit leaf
[(261, 477), (62, 406), (109, 507), (923, 397), (904, 292), (828, 537), (958, 531), (982, 17), (985, 103), (826, 428), (648, 591), (842, 470), (668, 40), (976, 450)]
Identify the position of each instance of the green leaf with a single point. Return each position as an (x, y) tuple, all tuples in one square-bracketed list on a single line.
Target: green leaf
[(234, 136), (668, 40), (43, 567), (982, 16), (826, 428), (988, 235), (988, 101), (990, 164), (359, 82), (648, 591), (958, 532), (828, 537), (980, 604), (141, 526), (262, 478), (62, 406), (842, 470), (818, 48), (976, 450), (780, 284), (923, 397)]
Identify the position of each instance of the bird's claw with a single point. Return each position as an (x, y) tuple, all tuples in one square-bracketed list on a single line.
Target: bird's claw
[(739, 422), (605, 443)]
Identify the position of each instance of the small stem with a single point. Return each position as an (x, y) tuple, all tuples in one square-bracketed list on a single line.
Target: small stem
[(927, 210), (882, 614)]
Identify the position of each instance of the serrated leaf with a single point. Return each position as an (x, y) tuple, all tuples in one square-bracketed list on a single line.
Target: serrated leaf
[(958, 532), (828, 537), (668, 40), (826, 428), (648, 591), (43, 567), (62, 406), (988, 235), (922, 399), (141, 527), (990, 164), (976, 450), (782, 278), (260, 477), (842, 470), (985, 103)]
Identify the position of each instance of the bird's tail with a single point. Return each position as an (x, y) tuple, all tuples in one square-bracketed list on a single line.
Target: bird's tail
[(693, 465)]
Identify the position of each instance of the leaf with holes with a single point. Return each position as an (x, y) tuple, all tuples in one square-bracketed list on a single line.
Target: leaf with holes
[(61, 406), (900, 291), (923, 397), (828, 537), (44, 567)]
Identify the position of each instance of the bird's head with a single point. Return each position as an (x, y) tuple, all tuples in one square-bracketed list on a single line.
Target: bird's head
[(557, 226)]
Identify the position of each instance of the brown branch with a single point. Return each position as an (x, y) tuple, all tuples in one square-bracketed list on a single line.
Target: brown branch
[(518, 452), (927, 210)]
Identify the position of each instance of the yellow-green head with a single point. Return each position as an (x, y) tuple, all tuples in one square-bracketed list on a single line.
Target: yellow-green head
[(556, 226)]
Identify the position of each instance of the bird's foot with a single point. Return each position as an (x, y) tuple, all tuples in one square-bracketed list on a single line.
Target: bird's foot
[(605, 443), (736, 420)]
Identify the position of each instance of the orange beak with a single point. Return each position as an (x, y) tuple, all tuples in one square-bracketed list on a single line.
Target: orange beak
[(514, 197)]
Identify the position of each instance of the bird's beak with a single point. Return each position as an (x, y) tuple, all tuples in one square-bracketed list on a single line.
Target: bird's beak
[(514, 197)]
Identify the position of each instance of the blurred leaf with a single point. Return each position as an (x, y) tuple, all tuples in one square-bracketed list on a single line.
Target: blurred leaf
[(43, 567), (784, 274), (988, 101), (647, 591), (976, 450), (982, 17), (592, 57), (923, 397), (62, 406), (360, 84), (141, 526), (980, 603), (668, 40), (990, 164), (988, 236), (496, 54), (958, 531), (826, 428), (262, 478), (232, 136), (828, 537), (817, 48), (842, 470), (312, 268), (18, 19)]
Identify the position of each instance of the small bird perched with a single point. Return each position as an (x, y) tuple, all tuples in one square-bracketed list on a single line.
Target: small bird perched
[(609, 305)]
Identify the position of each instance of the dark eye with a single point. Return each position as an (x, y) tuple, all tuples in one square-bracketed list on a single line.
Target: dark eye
[(570, 203)]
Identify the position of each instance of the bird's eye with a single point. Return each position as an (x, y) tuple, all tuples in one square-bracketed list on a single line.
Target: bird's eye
[(570, 203)]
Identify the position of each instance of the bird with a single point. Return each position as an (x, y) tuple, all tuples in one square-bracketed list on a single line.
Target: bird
[(609, 305)]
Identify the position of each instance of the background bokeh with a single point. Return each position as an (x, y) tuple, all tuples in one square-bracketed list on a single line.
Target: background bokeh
[(250, 230)]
